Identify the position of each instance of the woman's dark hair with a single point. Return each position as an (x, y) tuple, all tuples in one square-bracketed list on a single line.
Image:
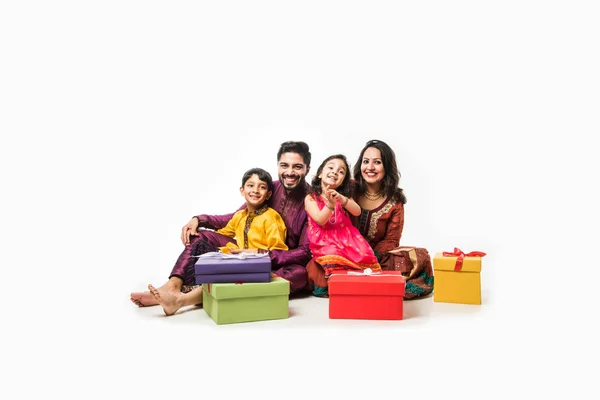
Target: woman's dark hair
[(262, 175), (391, 179), (345, 188), (299, 148)]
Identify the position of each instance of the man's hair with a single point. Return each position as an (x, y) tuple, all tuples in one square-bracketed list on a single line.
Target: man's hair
[(301, 148), (262, 175)]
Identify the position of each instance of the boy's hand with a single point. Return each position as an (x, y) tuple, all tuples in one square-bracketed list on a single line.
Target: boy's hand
[(253, 251)]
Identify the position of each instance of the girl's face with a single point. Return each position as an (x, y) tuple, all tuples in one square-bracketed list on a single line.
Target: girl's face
[(333, 173), (371, 166), (255, 191)]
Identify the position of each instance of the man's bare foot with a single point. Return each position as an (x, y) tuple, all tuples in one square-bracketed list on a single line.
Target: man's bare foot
[(143, 299), (146, 299), (169, 300)]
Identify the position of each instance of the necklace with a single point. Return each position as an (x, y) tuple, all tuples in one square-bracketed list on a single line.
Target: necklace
[(334, 215), (373, 196)]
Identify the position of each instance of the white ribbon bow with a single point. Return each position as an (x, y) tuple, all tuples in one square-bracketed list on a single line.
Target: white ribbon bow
[(239, 256)]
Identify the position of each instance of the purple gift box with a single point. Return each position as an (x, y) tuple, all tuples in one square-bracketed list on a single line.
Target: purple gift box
[(217, 268), (233, 278)]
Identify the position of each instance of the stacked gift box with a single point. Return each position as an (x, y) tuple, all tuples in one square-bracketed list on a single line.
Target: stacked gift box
[(241, 288)]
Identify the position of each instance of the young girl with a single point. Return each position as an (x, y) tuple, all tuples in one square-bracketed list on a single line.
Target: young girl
[(257, 229), (334, 242)]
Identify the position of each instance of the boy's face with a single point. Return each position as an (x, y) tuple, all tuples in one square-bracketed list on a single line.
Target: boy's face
[(291, 170), (255, 191)]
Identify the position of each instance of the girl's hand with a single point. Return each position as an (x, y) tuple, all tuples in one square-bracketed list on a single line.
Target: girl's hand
[(336, 196), (328, 195), (340, 198)]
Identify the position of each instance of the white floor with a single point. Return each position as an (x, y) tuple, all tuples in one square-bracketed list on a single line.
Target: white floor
[(311, 352), (90, 341), (307, 311), (439, 350)]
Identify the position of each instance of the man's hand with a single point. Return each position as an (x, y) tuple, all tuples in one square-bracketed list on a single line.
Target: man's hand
[(189, 229)]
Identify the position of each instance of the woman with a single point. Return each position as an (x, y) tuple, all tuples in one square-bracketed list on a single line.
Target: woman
[(381, 221)]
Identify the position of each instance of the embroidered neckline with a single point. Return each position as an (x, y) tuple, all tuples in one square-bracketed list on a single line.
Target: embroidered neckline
[(249, 220)]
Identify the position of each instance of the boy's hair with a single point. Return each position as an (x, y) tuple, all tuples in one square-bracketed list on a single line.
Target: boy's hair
[(392, 174), (301, 148), (345, 188), (262, 175)]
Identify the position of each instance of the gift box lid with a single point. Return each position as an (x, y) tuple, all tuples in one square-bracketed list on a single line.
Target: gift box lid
[(233, 278), (447, 263), (378, 283), (218, 263), (277, 286)]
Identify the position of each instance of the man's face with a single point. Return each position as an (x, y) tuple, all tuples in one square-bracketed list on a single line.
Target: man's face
[(291, 170)]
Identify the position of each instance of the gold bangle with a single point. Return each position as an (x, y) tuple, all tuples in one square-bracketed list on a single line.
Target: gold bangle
[(346, 202), (328, 206)]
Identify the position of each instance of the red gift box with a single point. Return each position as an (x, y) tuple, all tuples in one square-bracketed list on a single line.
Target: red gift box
[(379, 295)]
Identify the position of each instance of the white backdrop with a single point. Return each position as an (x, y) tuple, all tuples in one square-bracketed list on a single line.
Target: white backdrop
[(123, 119)]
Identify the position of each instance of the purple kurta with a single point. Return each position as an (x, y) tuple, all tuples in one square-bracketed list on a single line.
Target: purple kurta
[(288, 264)]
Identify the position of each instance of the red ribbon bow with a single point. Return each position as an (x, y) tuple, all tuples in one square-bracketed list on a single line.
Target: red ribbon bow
[(461, 256)]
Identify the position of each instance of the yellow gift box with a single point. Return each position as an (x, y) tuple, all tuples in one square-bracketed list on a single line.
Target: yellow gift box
[(457, 277)]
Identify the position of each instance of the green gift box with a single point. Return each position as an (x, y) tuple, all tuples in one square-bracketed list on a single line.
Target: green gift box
[(228, 303)]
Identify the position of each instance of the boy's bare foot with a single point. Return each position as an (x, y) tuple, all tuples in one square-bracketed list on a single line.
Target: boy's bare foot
[(143, 299), (167, 299)]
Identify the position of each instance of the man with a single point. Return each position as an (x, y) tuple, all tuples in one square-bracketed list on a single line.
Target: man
[(293, 163)]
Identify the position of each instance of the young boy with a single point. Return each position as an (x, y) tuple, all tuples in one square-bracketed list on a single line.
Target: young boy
[(256, 228)]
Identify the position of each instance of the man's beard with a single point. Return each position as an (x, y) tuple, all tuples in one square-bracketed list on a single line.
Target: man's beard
[(297, 181)]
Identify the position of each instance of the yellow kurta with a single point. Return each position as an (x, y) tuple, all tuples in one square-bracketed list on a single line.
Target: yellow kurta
[(267, 230)]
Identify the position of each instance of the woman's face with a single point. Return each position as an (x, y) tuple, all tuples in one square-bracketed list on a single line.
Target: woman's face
[(371, 166)]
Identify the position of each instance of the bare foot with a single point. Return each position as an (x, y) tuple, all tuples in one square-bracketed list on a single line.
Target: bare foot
[(143, 299), (167, 299), (146, 299)]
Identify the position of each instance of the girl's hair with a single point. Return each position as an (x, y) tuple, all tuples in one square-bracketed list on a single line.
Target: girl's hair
[(392, 174), (300, 148), (262, 175), (345, 188)]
